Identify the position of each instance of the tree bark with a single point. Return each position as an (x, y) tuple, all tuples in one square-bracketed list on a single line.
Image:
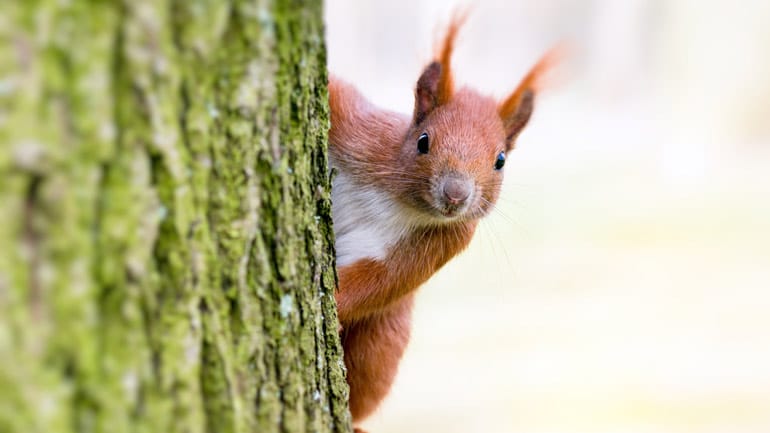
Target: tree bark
[(166, 253)]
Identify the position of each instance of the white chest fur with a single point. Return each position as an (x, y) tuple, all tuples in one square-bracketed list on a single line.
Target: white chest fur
[(367, 222)]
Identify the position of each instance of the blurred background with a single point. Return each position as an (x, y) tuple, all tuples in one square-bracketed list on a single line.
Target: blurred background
[(623, 284)]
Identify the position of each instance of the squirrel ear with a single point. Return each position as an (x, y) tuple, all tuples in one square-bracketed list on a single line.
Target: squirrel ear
[(517, 108), (426, 93), (516, 117)]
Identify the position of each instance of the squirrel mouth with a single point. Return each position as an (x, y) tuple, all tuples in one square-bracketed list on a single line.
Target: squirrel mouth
[(438, 212), (436, 206), (451, 212)]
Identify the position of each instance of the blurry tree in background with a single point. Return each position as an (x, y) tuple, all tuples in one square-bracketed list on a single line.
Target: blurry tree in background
[(165, 220)]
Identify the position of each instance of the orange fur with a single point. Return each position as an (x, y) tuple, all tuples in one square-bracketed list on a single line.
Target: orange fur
[(373, 347), (373, 286), (446, 84), (376, 150)]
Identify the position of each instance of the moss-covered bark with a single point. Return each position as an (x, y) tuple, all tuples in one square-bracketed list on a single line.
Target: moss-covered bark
[(165, 241)]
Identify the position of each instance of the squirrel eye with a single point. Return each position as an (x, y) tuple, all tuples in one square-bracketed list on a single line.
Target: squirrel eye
[(500, 162), (422, 143)]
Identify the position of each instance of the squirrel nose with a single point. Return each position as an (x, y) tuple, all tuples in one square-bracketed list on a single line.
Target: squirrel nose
[(457, 190)]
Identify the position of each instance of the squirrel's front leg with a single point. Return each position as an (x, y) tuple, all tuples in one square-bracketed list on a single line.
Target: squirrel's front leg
[(367, 287), (373, 348)]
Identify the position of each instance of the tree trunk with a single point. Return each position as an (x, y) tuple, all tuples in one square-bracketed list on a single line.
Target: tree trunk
[(166, 260)]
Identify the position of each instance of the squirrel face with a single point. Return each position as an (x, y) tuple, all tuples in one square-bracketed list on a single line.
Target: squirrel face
[(452, 157), (455, 156)]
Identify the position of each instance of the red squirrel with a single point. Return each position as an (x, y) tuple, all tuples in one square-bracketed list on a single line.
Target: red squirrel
[(406, 198)]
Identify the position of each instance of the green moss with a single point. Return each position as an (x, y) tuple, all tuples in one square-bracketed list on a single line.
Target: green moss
[(166, 245)]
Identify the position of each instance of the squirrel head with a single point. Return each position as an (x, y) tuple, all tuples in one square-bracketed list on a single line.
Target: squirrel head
[(458, 140)]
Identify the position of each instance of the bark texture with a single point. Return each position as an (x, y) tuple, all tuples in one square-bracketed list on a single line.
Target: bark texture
[(166, 253)]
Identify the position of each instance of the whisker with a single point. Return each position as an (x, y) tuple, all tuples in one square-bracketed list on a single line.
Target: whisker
[(507, 257)]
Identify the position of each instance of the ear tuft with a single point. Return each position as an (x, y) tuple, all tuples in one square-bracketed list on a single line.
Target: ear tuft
[(444, 55), (436, 84)]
